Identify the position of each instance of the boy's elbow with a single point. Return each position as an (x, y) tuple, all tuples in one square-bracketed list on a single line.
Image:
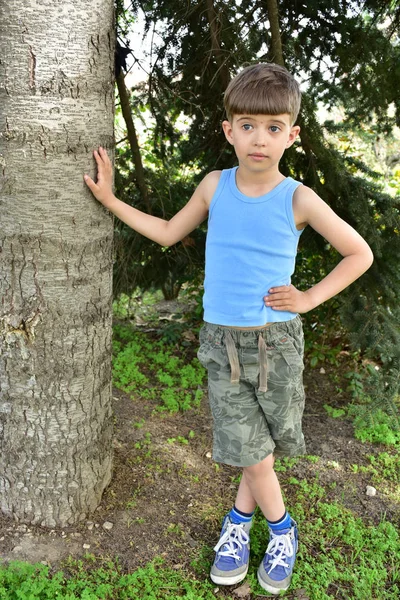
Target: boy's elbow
[(369, 258), (166, 241)]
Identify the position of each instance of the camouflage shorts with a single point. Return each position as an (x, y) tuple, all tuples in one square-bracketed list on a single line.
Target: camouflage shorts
[(251, 418)]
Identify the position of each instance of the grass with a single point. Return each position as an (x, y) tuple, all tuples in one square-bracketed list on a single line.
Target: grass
[(341, 556), (84, 580), (157, 371)]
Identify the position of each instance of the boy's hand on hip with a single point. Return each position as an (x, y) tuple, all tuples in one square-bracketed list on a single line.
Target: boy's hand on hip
[(287, 297), (102, 189)]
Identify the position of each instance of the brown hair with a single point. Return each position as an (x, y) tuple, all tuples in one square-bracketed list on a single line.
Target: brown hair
[(263, 89)]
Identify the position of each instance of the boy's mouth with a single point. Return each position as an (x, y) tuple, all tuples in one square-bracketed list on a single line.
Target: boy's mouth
[(257, 156)]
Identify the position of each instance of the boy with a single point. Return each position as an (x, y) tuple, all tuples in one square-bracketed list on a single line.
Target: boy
[(252, 341)]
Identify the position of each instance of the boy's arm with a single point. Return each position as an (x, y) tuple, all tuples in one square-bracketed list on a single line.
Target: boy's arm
[(159, 230), (357, 256)]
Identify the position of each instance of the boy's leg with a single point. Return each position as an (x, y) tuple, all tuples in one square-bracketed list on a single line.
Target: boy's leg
[(242, 431), (259, 484)]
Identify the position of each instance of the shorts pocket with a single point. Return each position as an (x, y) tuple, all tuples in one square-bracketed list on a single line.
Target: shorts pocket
[(291, 355), (212, 347)]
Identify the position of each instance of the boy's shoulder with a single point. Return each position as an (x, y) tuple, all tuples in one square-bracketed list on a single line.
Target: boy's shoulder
[(212, 178), (305, 198), (209, 185)]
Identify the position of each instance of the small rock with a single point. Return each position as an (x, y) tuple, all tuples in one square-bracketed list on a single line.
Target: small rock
[(2, 538), (191, 541), (322, 371), (243, 591), (86, 546), (17, 549), (215, 591), (370, 491), (107, 525), (208, 455)]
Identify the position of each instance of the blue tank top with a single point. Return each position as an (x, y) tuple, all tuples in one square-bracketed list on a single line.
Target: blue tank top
[(251, 246)]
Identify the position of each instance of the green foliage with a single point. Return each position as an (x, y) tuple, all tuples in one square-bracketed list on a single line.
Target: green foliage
[(375, 426), (139, 261), (347, 61), (138, 304), (335, 413), (22, 581), (386, 466), (149, 368), (376, 409), (339, 555)]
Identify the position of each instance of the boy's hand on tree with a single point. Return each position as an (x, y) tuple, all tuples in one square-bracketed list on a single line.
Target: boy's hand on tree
[(102, 189), (287, 297)]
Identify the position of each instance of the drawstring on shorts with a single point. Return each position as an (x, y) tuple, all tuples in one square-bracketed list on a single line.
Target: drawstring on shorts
[(233, 357), (262, 354), (234, 360)]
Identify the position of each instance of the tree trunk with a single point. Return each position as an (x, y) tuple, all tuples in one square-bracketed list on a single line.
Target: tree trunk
[(57, 104), (133, 140), (276, 43)]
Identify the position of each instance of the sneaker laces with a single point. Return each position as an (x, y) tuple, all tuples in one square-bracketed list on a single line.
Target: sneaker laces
[(233, 539), (280, 547)]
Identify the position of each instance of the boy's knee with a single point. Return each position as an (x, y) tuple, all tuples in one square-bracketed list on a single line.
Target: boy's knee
[(260, 469)]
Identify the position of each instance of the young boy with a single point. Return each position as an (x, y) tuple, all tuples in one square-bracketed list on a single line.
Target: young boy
[(252, 341)]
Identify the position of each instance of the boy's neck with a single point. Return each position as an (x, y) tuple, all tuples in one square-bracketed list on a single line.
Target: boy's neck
[(253, 183)]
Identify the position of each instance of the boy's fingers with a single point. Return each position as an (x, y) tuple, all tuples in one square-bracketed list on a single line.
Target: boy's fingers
[(281, 288), (97, 157), (104, 155), (278, 296), (89, 182)]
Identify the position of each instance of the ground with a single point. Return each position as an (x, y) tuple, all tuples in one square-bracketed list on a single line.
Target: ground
[(167, 496)]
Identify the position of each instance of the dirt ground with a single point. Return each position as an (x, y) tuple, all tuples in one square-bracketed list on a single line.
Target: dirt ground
[(167, 497)]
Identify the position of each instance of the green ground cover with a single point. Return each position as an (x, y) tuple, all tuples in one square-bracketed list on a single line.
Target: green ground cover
[(342, 556)]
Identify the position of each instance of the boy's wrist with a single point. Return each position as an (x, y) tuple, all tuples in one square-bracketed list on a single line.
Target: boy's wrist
[(110, 201), (312, 300)]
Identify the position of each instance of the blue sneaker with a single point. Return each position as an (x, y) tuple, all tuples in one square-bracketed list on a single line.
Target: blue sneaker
[(232, 553), (275, 572)]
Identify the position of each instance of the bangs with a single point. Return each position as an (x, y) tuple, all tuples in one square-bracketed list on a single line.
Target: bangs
[(267, 89), (260, 99)]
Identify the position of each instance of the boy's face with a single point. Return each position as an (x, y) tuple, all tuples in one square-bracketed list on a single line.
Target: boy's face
[(260, 140)]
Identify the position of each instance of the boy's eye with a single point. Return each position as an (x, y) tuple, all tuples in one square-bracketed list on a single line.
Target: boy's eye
[(247, 126), (274, 128)]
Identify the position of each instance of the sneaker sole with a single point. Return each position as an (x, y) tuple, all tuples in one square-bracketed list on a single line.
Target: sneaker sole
[(268, 588), (228, 580)]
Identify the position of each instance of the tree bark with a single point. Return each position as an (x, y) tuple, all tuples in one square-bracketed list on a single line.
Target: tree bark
[(276, 43), (133, 141), (57, 105)]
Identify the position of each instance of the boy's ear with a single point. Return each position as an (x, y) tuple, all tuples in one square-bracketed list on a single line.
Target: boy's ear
[(294, 132), (227, 127)]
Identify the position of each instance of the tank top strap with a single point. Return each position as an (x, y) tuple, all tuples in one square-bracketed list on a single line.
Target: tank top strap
[(222, 183), (292, 186)]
